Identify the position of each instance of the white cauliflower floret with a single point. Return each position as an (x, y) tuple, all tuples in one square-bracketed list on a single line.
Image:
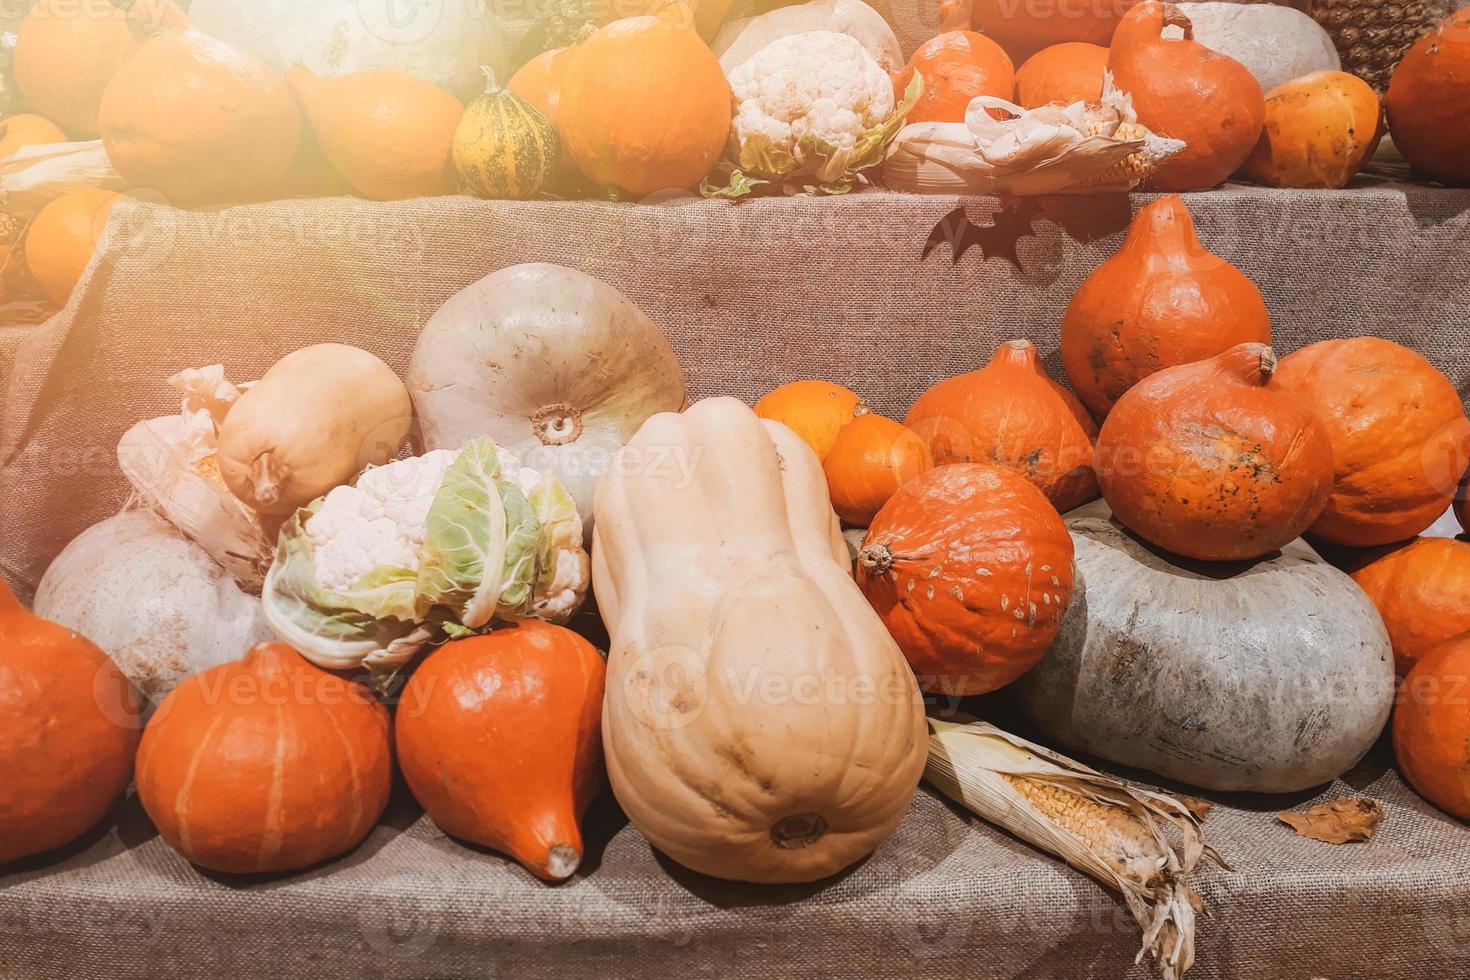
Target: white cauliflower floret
[(820, 84)]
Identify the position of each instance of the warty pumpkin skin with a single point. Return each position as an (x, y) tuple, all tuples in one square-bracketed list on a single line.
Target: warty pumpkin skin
[(1399, 434), (1429, 101), (500, 738), (970, 568), (760, 724), (1182, 89), (815, 410), (265, 765), (870, 460), (957, 66), (1161, 301), (1063, 73), (1320, 131), (69, 724), (1431, 728), (1214, 460), (65, 54), (1422, 591), (1011, 414)]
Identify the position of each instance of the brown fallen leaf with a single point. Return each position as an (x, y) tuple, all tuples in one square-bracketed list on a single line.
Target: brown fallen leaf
[(1200, 808), (1338, 822)]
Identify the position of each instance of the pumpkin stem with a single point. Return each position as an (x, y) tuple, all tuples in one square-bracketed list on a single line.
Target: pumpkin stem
[(1021, 353), (557, 425), (876, 559), (492, 87), (1252, 363), (1174, 17), (798, 830), (264, 482)]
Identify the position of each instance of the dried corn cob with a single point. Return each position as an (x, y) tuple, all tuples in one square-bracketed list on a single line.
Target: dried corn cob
[(1099, 825)]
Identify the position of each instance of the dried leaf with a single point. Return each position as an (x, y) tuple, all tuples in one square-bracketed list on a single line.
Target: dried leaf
[(1337, 822), (1200, 808)]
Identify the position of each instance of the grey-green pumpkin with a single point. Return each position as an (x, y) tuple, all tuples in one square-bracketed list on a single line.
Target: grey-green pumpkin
[(504, 147)]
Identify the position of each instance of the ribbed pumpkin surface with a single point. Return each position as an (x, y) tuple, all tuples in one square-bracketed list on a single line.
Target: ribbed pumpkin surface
[(504, 147)]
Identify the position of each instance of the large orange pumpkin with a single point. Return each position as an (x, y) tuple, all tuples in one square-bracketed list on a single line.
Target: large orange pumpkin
[(1399, 436), (1162, 301), (65, 53), (63, 237), (69, 724), (871, 458), (1320, 130), (970, 568), (1431, 728), (268, 764), (957, 66), (1011, 414), (1063, 73), (1422, 591), (1429, 101), (500, 739), (1213, 460), (814, 410), (1024, 28), (1182, 89)]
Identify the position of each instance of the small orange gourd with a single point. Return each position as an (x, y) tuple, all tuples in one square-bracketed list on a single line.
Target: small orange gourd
[(815, 410), (63, 237), (65, 54), (1214, 460), (265, 765), (1399, 433), (500, 739), (970, 568), (1182, 89), (871, 458), (69, 724), (26, 129), (957, 66), (1161, 301), (1320, 130), (1429, 101), (1062, 73), (1011, 414), (1422, 591), (1431, 728)]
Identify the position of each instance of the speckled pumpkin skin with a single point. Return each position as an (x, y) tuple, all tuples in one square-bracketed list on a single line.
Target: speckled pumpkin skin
[(1320, 131), (1422, 591), (1431, 728), (1213, 460), (970, 568), (1429, 98)]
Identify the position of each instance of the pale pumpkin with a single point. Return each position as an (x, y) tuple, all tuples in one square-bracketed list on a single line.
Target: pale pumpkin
[(291, 767), (1011, 414), (69, 724), (969, 567), (815, 410), (1400, 438), (504, 147), (1215, 461), (388, 133), (1163, 300), (195, 118), (871, 458), (1431, 728), (318, 418), (742, 39), (26, 129), (507, 357), (1422, 591), (1321, 129), (1429, 100), (65, 54), (1275, 42), (1270, 678), (63, 237), (1062, 73), (723, 744)]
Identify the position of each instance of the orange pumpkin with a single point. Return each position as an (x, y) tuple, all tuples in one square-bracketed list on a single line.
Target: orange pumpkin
[(1162, 301), (1399, 436), (1026, 28), (23, 130), (268, 764), (970, 568), (69, 724), (1011, 414), (500, 739), (195, 118), (1431, 728), (1062, 73), (957, 66), (1429, 101), (62, 238), (644, 104), (65, 54), (814, 410), (1214, 460), (1183, 90), (1422, 591), (539, 83), (871, 458), (1320, 130)]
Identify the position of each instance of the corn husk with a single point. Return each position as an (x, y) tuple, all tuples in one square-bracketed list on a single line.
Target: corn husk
[(37, 175), (1098, 824), (171, 463), (1055, 149)]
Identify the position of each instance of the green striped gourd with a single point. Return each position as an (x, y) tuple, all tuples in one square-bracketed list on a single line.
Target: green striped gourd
[(504, 147)]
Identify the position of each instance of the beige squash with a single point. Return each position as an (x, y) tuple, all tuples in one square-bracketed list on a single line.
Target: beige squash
[(760, 724), (317, 419)]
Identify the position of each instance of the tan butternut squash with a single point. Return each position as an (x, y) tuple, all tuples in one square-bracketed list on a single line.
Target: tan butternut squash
[(760, 724)]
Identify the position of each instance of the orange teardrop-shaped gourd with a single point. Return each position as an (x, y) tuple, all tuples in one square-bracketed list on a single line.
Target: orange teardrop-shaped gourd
[(871, 458), (1429, 101), (500, 738), (1184, 90), (1214, 460), (388, 133), (65, 54), (1431, 728), (25, 129), (69, 725), (1399, 434), (1011, 414), (1026, 28), (1320, 130), (957, 66), (194, 118), (62, 238), (1161, 301), (814, 410), (265, 765), (1422, 591), (1062, 73)]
